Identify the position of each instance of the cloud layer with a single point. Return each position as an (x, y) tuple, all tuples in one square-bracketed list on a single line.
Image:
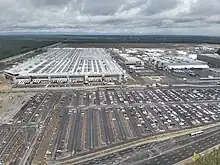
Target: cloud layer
[(193, 17)]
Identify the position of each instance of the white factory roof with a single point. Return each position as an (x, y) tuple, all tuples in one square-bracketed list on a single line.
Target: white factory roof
[(132, 51), (129, 58), (155, 50), (181, 52), (69, 61), (177, 62), (188, 66), (153, 54), (193, 56)]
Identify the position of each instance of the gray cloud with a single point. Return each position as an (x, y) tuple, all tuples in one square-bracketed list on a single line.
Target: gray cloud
[(49, 2), (204, 7), (111, 16), (101, 7), (158, 6)]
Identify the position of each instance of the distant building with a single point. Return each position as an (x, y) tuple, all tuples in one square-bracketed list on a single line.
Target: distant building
[(213, 59), (130, 60), (176, 62), (218, 52)]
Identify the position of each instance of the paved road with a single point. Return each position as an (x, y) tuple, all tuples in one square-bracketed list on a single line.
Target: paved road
[(184, 152), (115, 149), (110, 86)]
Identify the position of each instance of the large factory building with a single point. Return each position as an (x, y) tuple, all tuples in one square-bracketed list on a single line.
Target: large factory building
[(213, 59), (67, 65)]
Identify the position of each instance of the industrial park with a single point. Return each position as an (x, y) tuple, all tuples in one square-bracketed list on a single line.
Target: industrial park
[(115, 105)]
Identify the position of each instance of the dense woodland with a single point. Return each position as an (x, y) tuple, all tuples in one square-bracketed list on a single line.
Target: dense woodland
[(11, 45)]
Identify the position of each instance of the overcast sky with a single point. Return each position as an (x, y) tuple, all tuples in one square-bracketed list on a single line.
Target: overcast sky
[(189, 17)]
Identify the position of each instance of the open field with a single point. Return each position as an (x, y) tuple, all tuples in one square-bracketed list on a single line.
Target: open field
[(4, 84), (11, 103)]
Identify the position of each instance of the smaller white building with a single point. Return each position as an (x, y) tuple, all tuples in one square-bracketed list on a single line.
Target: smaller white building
[(130, 60), (177, 62)]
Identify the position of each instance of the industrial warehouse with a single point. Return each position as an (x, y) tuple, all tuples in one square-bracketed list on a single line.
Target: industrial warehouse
[(178, 62), (213, 59), (67, 65)]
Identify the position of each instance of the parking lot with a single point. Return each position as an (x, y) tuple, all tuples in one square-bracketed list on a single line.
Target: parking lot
[(14, 142), (77, 122), (90, 120)]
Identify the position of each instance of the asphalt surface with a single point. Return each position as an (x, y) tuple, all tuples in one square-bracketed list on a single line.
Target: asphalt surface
[(150, 151), (184, 152)]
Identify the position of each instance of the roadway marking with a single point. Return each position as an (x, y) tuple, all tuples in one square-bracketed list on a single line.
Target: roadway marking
[(110, 150)]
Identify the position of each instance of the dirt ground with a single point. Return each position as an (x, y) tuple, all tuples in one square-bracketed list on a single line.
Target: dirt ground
[(131, 81), (11, 103), (4, 84)]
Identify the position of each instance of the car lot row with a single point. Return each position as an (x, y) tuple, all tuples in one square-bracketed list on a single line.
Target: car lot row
[(170, 95), (86, 129), (81, 130), (143, 96), (119, 96), (14, 142)]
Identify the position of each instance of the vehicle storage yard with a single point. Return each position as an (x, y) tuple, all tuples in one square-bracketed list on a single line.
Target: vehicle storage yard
[(61, 125), (101, 106)]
